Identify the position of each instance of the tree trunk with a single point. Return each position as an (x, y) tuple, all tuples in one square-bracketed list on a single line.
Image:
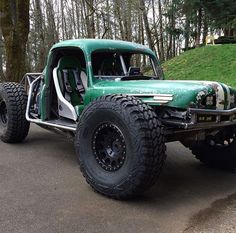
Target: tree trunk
[(199, 27), (162, 57), (62, 20), (156, 36), (89, 17), (39, 27), (205, 27), (127, 20), (187, 32), (52, 31), (146, 25), (171, 47), (15, 30), (78, 24), (120, 21)]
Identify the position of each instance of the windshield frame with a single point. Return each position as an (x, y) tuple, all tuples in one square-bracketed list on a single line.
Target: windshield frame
[(154, 64)]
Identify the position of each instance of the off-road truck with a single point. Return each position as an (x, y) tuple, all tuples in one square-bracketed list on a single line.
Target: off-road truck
[(112, 97)]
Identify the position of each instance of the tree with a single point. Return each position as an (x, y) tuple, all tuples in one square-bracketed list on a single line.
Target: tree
[(15, 29), (193, 11), (162, 56), (146, 24), (224, 19), (164, 25)]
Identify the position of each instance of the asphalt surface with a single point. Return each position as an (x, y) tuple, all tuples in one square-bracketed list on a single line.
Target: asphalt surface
[(42, 190)]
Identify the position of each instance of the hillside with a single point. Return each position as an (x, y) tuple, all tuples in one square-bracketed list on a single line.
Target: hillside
[(215, 63)]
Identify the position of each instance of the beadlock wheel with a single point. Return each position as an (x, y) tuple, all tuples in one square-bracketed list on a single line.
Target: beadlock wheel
[(109, 147), (120, 146)]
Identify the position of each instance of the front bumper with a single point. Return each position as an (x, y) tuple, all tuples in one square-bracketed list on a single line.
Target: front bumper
[(205, 119)]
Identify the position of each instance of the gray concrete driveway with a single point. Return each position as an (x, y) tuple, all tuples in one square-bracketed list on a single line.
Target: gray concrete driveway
[(43, 191)]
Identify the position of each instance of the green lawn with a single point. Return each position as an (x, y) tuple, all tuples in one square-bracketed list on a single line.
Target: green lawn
[(215, 63)]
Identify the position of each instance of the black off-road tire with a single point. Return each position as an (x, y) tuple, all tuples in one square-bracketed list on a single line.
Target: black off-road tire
[(13, 125), (140, 137), (215, 156)]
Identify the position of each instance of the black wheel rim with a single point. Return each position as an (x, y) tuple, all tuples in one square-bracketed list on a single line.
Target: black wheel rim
[(3, 112), (109, 147)]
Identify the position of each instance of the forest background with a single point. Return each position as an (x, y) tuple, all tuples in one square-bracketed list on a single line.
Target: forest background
[(28, 28)]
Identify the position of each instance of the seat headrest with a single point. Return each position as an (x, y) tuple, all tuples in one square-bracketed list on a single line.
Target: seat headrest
[(68, 62)]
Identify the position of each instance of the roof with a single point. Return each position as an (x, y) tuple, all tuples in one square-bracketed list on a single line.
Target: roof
[(90, 45)]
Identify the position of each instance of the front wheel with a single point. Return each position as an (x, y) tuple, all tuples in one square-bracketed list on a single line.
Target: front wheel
[(13, 125), (120, 146)]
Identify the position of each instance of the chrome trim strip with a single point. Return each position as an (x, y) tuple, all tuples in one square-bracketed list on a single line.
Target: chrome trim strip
[(150, 95), (157, 98), (162, 98), (156, 102)]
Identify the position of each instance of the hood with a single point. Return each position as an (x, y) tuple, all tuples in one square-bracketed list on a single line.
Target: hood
[(178, 94)]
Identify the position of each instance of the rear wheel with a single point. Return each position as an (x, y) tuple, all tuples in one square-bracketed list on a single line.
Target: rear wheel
[(120, 146), (218, 151), (13, 101)]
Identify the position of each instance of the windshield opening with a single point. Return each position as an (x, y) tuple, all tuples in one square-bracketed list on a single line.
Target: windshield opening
[(124, 66)]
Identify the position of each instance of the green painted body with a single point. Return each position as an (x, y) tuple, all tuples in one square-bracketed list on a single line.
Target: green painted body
[(185, 93)]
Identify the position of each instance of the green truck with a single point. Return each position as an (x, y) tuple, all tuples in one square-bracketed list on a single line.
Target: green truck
[(112, 98)]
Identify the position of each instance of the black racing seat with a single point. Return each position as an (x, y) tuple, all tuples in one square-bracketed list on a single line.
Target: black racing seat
[(70, 77), (70, 84)]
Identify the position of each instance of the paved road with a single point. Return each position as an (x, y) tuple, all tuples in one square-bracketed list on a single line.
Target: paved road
[(43, 191)]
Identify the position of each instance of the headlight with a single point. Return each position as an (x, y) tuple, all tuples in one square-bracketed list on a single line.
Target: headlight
[(209, 100)]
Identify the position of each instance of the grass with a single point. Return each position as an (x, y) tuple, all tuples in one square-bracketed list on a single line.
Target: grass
[(214, 63)]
